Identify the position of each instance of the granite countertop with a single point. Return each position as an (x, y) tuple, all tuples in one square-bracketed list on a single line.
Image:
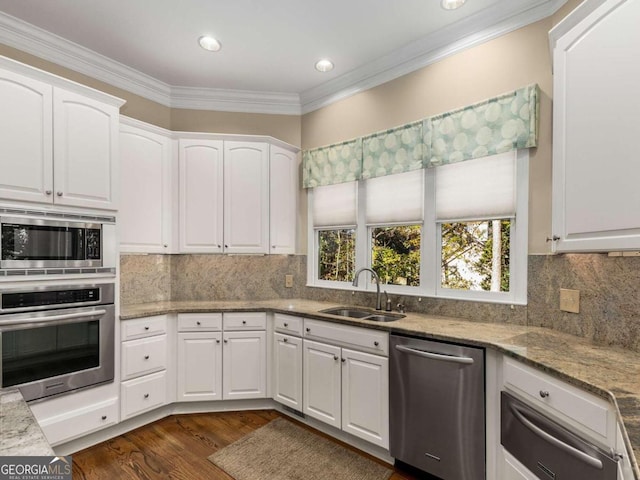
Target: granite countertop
[(609, 372), (20, 433)]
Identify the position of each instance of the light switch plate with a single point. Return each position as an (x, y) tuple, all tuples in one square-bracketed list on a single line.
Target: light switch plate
[(570, 300), (288, 281)]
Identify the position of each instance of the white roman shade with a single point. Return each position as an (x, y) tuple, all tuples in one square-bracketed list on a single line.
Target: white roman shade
[(477, 189), (395, 198), (334, 205)]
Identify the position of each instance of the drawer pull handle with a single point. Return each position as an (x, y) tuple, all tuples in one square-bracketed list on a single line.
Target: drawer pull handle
[(146, 357), (146, 328), (198, 323), (286, 325), (104, 417), (146, 395), (376, 343), (544, 393)]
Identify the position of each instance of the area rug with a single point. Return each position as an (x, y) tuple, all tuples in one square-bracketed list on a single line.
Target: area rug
[(281, 450)]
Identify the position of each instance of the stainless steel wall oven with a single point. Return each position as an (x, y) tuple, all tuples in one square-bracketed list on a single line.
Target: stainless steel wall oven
[(56, 339)]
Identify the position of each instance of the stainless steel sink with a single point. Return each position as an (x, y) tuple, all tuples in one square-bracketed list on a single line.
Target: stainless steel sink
[(363, 314)]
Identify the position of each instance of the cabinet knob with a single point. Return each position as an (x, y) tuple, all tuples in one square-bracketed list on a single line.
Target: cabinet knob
[(217, 341), (244, 322), (146, 395), (226, 246), (219, 246), (286, 325), (335, 357), (165, 245), (544, 393), (47, 192), (146, 357), (104, 417), (308, 329), (225, 341), (285, 340), (376, 343), (344, 360), (59, 194), (273, 246), (146, 328), (555, 238), (198, 323)]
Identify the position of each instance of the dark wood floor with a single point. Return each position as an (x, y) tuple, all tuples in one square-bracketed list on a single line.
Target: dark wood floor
[(176, 447)]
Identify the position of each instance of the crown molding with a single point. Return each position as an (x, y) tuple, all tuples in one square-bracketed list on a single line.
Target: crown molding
[(487, 25)]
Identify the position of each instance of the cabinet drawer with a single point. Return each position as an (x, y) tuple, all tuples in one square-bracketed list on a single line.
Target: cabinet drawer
[(143, 356), (371, 340), (245, 321), (288, 324), (199, 322), (143, 327), (552, 395), (142, 394), (62, 428)]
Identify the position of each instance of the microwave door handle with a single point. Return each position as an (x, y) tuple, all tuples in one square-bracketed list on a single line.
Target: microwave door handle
[(435, 356), (68, 317), (588, 459)]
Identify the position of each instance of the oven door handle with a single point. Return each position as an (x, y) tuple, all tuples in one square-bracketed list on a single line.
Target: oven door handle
[(574, 452), (54, 318)]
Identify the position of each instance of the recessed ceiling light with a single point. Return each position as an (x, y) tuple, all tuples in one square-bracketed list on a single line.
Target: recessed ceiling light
[(324, 65), (452, 4), (209, 43)]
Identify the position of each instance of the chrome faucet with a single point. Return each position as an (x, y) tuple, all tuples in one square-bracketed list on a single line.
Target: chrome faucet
[(377, 279)]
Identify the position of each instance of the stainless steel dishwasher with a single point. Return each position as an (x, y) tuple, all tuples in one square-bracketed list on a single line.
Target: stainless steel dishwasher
[(548, 450), (437, 407)]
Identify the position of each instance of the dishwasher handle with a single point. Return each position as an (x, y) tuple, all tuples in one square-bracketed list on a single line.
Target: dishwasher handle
[(580, 455), (435, 356)]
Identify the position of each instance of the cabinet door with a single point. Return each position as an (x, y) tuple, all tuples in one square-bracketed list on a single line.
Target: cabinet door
[(287, 358), (85, 151), (512, 469), (145, 191), (201, 196), (365, 396), (246, 197), (26, 145), (596, 198), (199, 366), (321, 382), (244, 365), (283, 183)]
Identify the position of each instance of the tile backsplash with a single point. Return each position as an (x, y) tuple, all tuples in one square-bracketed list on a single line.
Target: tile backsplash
[(609, 290)]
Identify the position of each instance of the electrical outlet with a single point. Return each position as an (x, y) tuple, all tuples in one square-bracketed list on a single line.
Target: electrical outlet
[(570, 300), (288, 281)]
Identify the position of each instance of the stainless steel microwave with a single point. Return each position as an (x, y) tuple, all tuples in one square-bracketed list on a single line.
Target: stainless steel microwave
[(42, 242)]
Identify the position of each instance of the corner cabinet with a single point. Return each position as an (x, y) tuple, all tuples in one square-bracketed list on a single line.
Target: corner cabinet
[(596, 199), (145, 188), (58, 141)]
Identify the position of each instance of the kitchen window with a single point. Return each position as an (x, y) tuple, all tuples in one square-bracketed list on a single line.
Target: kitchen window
[(456, 231)]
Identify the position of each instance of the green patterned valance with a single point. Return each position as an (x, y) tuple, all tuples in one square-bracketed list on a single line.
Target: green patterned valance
[(498, 125), (393, 151), (337, 163)]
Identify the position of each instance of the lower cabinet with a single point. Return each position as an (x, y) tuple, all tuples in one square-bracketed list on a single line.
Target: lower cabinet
[(347, 389), (287, 370), (244, 366), (199, 372)]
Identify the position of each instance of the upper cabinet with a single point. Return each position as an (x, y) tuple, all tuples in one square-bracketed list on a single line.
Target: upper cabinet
[(283, 183), (145, 188), (596, 199), (58, 140)]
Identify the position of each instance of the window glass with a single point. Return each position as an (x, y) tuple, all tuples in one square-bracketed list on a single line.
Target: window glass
[(336, 254), (475, 255), (395, 254)]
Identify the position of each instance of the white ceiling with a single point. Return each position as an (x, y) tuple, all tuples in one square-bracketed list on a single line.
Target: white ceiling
[(268, 47)]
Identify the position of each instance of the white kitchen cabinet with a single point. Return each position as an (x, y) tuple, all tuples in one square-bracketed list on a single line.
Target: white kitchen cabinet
[(343, 387), (201, 196), (246, 197), (365, 396), (287, 370), (244, 365), (26, 138), (59, 140), (283, 185), (596, 198), (199, 369), (322, 380), (512, 469), (145, 188)]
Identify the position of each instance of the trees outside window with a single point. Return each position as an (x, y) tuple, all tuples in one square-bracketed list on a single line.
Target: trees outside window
[(336, 255), (395, 254)]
